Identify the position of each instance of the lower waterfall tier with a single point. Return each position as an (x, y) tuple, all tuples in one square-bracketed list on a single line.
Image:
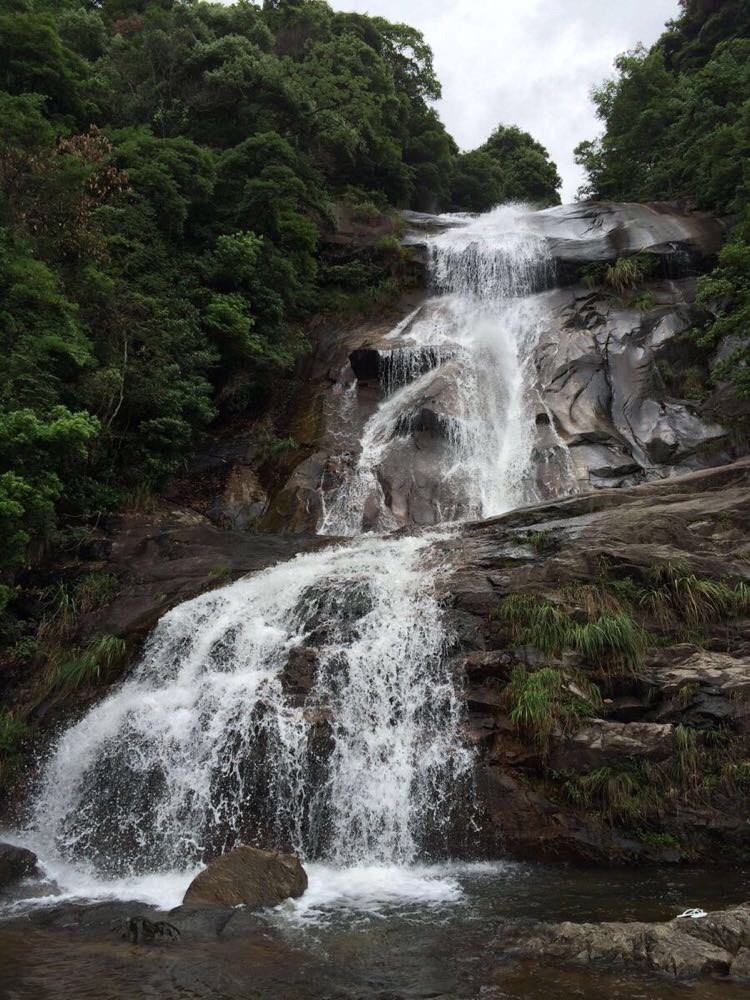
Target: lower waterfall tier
[(310, 706)]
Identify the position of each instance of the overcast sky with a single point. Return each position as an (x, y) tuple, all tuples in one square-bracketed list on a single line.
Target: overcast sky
[(526, 62)]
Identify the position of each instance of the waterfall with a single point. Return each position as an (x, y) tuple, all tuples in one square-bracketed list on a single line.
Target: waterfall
[(312, 705), (206, 744), (464, 363)]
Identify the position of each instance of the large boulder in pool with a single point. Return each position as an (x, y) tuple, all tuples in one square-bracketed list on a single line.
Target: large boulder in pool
[(250, 876), (15, 863)]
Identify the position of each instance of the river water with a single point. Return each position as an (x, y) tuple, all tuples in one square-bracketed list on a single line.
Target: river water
[(366, 933)]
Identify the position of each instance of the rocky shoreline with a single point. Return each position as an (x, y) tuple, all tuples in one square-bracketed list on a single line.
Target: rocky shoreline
[(711, 947), (686, 948)]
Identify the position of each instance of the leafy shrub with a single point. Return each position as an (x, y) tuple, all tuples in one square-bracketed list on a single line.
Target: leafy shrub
[(367, 213)]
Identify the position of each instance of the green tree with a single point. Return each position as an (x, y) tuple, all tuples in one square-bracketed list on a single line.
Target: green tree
[(677, 125), (477, 181), (528, 172)]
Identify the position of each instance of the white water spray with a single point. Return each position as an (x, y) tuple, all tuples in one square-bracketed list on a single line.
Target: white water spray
[(206, 744)]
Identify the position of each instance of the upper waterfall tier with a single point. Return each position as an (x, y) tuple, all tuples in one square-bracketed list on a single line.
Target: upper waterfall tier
[(594, 231), (453, 435), (497, 388)]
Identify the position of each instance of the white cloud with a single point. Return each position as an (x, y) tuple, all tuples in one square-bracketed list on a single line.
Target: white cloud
[(526, 62)]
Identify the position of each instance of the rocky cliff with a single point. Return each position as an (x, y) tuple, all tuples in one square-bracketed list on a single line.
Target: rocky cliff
[(602, 641), (604, 645), (621, 391)]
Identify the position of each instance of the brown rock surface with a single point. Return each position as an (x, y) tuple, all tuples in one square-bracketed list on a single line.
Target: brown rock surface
[(15, 863), (522, 790), (603, 744), (165, 558), (248, 876), (682, 948)]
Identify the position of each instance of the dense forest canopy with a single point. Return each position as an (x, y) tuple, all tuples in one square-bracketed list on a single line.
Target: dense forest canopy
[(167, 168), (677, 126)]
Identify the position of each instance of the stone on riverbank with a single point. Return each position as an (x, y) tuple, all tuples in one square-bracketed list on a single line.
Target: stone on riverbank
[(682, 948)]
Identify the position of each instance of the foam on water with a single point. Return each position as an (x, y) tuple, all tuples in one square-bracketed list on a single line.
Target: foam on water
[(372, 888)]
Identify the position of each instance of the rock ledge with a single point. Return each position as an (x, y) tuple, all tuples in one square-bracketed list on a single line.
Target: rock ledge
[(683, 948)]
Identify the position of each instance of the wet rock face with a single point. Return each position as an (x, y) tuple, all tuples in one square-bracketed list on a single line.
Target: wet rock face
[(602, 413), (607, 744), (592, 231), (248, 876), (243, 501), (682, 949), (697, 521), (15, 863), (162, 559), (598, 374)]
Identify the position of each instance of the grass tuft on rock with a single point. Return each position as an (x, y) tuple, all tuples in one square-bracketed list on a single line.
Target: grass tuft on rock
[(531, 620), (612, 642), (543, 542), (548, 702), (622, 796), (685, 755), (12, 733), (696, 600), (87, 666)]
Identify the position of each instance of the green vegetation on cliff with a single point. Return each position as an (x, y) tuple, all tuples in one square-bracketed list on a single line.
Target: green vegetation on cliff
[(599, 641), (677, 126), (168, 171)]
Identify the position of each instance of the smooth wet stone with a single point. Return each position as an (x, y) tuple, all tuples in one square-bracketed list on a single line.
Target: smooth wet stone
[(200, 920), (740, 968), (248, 876), (107, 916), (15, 863), (589, 231), (681, 949)]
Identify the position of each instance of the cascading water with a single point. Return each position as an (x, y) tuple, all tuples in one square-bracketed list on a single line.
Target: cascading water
[(206, 745), (463, 362), (312, 705)]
